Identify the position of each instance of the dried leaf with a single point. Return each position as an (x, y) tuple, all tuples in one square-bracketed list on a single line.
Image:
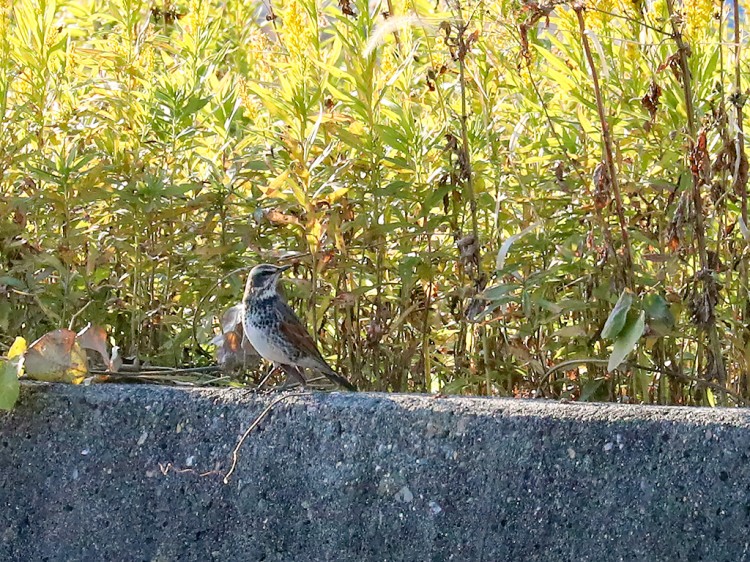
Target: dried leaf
[(651, 100), (347, 8), (233, 350), (56, 357), (231, 317), (345, 299), (469, 250), (673, 63), (602, 185), (700, 162), (740, 173), (277, 218), (94, 337), (534, 11)]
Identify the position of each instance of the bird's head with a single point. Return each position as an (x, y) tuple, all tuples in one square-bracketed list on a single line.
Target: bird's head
[(263, 278)]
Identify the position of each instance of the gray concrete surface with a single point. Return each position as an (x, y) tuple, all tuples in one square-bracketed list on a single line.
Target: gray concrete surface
[(136, 473)]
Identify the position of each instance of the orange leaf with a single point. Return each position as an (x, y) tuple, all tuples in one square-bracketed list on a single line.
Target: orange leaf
[(56, 357)]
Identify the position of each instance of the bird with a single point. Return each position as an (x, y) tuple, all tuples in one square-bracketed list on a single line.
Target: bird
[(274, 330)]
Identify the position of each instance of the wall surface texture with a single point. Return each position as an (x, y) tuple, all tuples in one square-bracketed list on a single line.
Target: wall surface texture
[(136, 472)]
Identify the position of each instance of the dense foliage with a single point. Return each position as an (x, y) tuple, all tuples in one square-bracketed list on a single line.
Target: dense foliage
[(466, 189)]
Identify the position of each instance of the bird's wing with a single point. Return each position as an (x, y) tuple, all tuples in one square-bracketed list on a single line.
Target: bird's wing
[(296, 333)]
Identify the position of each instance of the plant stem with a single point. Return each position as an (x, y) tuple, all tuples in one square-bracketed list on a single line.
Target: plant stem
[(740, 142), (426, 356), (700, 234), (608, 157), (466, 152), (740, 179)]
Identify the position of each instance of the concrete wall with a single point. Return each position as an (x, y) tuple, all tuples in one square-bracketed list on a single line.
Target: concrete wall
[(136, 473)]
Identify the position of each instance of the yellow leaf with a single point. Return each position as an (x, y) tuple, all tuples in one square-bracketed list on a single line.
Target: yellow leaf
[(275, 184), (18, 348)]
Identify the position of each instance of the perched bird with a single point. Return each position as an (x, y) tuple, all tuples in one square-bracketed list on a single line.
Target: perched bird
[(275, 331)]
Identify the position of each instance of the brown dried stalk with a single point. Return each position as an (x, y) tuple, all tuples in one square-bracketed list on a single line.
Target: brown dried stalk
[(609, 161), (705, 274)]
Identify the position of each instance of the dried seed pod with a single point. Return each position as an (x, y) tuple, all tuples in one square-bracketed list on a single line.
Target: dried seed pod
[(651, 100), (468, 248), (602, 186)]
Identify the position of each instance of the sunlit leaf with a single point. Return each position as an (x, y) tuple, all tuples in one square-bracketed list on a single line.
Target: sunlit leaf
[(505, 247), (626, 340), (616, 320), (233, 349), (231, 317), (56, 357), (18, 348)]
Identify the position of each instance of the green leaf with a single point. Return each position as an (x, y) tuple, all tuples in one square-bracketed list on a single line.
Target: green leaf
[(643, 381), (12, 282), (626, 340), (589, 389), (498, 292), (616, 321), (8, 384), (194, 105), (656, 307), (660, 317)]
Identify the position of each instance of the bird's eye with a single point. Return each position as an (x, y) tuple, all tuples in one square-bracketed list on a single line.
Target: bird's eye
[(262, 276)]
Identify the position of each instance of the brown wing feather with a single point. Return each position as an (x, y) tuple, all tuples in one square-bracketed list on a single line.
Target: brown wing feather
[(296, 333)]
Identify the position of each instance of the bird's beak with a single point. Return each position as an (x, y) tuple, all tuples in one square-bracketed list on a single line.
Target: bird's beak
[(283, 268)]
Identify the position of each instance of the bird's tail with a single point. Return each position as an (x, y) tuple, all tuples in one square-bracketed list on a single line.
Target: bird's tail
[(338, 379)]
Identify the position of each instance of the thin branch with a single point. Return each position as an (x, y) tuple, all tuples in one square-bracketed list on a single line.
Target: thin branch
[(125, 371), (77, 314), (467, 168), (632, 365), (628, 18), (256, 422)]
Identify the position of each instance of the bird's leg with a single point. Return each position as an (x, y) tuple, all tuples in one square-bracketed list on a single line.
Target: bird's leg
[(267, 376), (259, 387), (294, 376)]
